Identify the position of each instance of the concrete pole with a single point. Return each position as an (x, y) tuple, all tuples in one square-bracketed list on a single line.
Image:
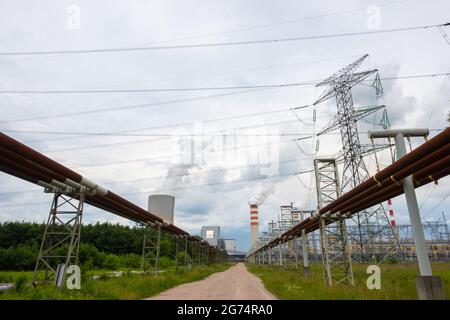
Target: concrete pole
[(428, 287), (414, 214)]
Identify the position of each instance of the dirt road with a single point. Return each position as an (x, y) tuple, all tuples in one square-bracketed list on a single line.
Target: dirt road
[(235, 283)]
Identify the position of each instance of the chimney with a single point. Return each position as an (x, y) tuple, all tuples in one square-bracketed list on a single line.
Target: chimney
[(254, 228), (391, 213)]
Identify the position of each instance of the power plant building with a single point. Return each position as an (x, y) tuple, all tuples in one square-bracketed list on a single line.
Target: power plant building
[(162, 206), (229, 245), (211, 234)]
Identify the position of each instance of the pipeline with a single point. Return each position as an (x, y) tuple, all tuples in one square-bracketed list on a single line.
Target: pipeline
[(437, 142), (25, 163), (427, 163)]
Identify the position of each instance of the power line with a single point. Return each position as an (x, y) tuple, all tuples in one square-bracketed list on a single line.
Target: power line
[(135, 106), (178, 188), (221, 44), (156, 134), (275, 24), (432, 210), (235, 30), (146, 105), (5, 193), (147, 140), (262, 86), (282, 85), (180, 124)]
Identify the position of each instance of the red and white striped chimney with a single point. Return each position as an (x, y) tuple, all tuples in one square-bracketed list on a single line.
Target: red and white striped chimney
[(391, 213), (254, 224)]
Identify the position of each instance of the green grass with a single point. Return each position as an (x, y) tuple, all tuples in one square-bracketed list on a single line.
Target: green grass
[(129, 286), (397, 282)]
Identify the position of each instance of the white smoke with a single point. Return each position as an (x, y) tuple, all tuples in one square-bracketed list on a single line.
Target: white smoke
[(262, 194)]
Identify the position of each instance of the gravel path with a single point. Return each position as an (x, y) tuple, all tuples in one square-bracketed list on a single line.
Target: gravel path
[(236, 283)]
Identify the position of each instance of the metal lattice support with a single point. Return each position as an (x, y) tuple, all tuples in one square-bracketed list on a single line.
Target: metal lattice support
[(181, 245), (198, 250), (151, 248), (188, 261), (208, 256), (201, 254), (373, 223), (337, 263), (336, 259), (61, 240), (192, 255)]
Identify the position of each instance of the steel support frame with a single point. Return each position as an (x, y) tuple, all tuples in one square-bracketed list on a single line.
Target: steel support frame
[(61, 239), (335, 252), (151, 248), (336, 259), (181, 246)]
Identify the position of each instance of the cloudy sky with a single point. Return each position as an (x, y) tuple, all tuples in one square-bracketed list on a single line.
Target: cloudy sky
[(243, 148)]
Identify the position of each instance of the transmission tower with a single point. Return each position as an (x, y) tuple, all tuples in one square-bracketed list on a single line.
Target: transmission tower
[(372, 224)]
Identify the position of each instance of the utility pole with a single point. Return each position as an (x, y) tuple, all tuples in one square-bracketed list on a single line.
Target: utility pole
[(429, 287)]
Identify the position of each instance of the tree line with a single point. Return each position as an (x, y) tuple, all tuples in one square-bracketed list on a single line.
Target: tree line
[(103, 246)]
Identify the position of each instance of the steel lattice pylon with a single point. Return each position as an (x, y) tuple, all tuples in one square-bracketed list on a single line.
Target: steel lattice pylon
[(335, 251), (151, 248), (61, 240), (372, 224)]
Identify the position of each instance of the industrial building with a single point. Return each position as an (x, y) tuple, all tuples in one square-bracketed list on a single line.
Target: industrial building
[(229, 245), (211, 234)]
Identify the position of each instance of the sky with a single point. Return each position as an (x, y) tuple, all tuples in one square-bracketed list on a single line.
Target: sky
[(214, 150)]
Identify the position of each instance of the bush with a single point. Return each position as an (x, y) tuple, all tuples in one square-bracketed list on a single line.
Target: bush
[(165, 262), (21, 283), (110, 261), (130, 260), (104, 246), (18, 258)]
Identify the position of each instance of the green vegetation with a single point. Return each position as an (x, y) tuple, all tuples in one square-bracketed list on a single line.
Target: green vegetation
[(397, 282), (103, 246), (128, 286)]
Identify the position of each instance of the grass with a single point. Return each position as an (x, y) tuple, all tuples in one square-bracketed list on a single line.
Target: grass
[(128, 287), (397, 282)]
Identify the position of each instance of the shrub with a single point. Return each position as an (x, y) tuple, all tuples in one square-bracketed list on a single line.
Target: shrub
[(21, 283)]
